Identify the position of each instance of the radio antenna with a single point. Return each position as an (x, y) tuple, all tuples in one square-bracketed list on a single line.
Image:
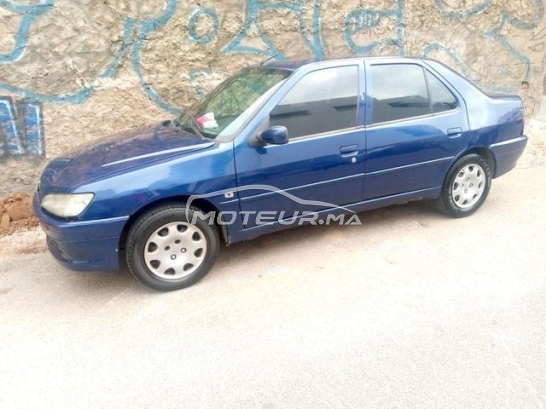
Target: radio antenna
[(270, 58)]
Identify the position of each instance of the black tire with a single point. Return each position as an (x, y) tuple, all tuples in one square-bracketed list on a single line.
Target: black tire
[(465, 187), (169, 247)]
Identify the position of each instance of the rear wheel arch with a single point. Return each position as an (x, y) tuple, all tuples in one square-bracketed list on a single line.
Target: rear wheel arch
[(485, 153), (466, 185)]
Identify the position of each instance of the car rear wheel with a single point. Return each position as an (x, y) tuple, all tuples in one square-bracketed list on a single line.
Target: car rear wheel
[(170, 247), (466, 186)]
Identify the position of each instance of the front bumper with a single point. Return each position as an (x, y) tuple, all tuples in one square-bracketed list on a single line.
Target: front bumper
[(82, 245)]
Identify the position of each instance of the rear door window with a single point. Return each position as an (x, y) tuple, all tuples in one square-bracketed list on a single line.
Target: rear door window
[(399, 91)]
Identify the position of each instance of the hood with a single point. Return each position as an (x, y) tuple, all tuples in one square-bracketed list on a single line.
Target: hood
[(118, 153)]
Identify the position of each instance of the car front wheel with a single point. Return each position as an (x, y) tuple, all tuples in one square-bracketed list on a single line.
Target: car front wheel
[(171, 247), (466, 186)]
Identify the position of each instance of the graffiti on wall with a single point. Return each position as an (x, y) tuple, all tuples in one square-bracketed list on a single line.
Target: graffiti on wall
[(495, 34), (64, 52), (21, 127)]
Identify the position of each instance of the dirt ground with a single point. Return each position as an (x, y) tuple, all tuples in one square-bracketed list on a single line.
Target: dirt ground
[(16, 213), (411, 309), (16, 208)]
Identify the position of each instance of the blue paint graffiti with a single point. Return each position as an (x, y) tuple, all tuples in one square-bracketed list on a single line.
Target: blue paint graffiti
[(142, 28), (495, 35), (252, 23), (203, 25), (361, 20), (465, 14), (192, 25), (29, 15), (21, 127)]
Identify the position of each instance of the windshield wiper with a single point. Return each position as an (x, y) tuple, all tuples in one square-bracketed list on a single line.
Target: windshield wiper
[(186, 126)]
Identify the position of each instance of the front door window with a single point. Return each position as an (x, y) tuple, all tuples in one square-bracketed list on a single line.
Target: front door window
[(322, 101)]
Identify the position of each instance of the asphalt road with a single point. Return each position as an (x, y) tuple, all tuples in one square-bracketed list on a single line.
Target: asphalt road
[(410, 310)]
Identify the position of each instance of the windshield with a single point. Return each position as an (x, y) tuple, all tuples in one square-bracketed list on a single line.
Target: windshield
[(215, 113)]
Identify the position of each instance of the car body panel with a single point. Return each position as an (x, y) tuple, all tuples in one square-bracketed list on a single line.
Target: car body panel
[(311, 169), (507, 153), (86, 245), (118, 153), (411, 154)]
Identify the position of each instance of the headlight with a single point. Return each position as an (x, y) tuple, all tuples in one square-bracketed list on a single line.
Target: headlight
[(67, 205)]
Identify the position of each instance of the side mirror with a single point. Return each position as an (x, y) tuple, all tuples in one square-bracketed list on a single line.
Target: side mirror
[(276, 135)]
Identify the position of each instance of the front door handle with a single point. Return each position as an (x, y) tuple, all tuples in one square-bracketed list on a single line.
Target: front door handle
[(454, 132), (349, 150)]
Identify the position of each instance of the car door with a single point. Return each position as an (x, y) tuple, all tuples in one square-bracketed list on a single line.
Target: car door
[(323, 160), (416, 125)]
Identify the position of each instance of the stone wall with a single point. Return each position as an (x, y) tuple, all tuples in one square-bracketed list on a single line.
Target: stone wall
[(74, 70)]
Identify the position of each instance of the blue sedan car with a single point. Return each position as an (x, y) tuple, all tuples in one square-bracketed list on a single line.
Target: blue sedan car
[(274, 146)]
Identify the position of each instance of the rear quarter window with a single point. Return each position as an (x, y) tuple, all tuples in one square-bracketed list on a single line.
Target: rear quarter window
[(441, 97)]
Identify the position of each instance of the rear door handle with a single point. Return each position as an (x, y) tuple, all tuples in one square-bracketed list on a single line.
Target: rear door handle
[(454, 132), (349, 150)]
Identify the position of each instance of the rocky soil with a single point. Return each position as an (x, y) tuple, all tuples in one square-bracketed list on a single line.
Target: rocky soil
[(16, 213)]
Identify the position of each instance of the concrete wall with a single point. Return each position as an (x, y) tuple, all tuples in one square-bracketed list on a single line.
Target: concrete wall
[(74, 70)]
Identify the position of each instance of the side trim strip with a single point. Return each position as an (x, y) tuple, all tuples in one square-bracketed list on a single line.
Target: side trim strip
[(412, 165), (509, 141)]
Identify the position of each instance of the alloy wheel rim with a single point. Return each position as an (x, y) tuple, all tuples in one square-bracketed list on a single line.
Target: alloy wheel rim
[(175, 250), (468, 186)]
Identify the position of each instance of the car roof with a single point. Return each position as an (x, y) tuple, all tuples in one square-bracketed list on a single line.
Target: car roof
[(294, 64)]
